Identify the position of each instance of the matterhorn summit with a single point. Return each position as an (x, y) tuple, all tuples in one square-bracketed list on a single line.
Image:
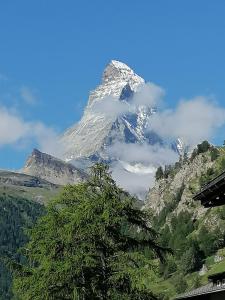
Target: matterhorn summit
[(100, 126), (114, 129)]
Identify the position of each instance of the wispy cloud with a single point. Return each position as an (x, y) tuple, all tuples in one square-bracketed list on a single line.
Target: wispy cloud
[(148, 94), (193, 120), (136, 164), (15, 131)]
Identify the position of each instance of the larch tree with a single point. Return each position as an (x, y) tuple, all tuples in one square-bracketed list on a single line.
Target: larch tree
[(93, 243)]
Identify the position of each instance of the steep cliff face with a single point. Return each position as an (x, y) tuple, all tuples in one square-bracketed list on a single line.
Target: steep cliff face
[(116, 122), (182, 183), (52, 169), (194, 233), (115, 129), (100, 125), (166, 188)]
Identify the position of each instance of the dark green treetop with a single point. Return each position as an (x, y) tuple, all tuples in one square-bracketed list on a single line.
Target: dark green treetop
[(93, 243)]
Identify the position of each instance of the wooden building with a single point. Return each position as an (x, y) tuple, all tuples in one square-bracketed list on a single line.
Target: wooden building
[(213, 193), (214, 290)]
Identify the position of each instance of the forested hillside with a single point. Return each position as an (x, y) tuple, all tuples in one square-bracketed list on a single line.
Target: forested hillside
[(16, 214), (21, 203), (195, 234)]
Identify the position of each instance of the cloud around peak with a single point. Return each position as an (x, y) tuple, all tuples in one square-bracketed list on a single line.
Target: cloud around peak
[(193, 120)]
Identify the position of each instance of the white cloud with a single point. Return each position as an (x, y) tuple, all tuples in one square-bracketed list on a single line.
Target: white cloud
[(15, 131), (193, 120), (28, 95), (148, 94), (135, 169), (144, 153), (136, 184), (111, 107), (12, 127)]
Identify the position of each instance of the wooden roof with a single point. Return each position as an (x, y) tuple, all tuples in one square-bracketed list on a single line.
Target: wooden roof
[(203, 290), (210, 288), (213, 193), (217, 276)]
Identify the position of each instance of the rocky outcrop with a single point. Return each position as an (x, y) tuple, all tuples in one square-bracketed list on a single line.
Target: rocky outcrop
[(115, 121), (187, 176), (52, 169), (96, 129)]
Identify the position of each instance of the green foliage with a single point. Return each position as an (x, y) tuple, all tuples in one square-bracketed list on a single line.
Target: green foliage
[(222, 165), (206, 177), (159, 173), (180, 283), (93, 243), (192, 259), (16, 214), (196, 282), (214, 153), (181, 226), (210, 241), (169, 268), (221, 212), (201, 148), (160, 219), (169, 170)]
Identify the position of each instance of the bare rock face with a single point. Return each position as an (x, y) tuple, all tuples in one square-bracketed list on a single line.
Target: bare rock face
[(112, 118), (94, 131), (52, 169), (187, 179), (110, 121)]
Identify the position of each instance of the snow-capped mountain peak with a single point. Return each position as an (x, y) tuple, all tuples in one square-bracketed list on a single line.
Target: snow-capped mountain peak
[(95, 129), (117, 70), (115, 129), (116, 76)]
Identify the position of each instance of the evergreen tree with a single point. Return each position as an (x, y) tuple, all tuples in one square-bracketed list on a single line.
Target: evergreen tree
[(192, 258), (159, 173), (214, 153), (203, 147), (180, 284), (16, 213), (93, 243)]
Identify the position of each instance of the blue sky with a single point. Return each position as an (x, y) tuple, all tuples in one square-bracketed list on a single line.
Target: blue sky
[(52, 53)]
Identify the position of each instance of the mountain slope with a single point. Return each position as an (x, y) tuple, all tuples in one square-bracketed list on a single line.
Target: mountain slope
[(89, 136), (52, 169), (115, 129), (116, 123), (193, 232), (21, 199), (28, 187)]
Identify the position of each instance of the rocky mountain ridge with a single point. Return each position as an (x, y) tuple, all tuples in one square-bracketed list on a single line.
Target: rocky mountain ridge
[(194, 233), (182, 182), (50, 168), (97, 129), (165, 188), (113, 124)]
